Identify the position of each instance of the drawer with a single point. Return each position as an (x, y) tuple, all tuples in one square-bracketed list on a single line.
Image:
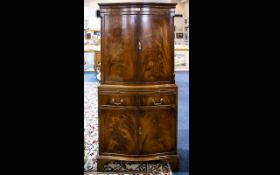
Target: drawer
[(158, 100), (118, 100)]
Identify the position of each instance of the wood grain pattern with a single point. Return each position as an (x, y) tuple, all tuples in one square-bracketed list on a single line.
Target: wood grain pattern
[(137, 97), (135, 47), (151, 127), (118, 132), (118, 59), (158, 131), (156, 54)]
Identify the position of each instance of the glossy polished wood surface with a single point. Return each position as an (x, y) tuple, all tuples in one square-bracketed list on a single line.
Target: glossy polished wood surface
[(144, 115), (118, 58), (158, 131), (118, 131), (156, 61), (137, 95), (142, 132), (135, 43)]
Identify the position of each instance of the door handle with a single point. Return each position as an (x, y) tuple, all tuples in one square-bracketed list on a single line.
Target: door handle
[(139, 45), (140, 131)]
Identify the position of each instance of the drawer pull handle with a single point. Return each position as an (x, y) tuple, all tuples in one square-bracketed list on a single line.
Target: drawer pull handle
[(117, 103), (155, 103), (140, 131)]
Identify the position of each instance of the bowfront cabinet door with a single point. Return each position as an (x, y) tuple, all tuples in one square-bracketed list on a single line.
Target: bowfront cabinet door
[(155, 52), (118, 130), (119, 38), (157, 131)]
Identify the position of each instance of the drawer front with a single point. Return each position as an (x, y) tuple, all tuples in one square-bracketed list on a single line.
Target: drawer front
[(158, 99), (118, 100)]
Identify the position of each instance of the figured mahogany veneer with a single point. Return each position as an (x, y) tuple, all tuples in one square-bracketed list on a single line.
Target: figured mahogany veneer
[(137, 97), (136, 43)]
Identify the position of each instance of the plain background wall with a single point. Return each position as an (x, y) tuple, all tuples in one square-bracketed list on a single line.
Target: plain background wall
[(90, 7)]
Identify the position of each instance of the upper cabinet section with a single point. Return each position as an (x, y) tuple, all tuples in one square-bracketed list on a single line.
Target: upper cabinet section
[(137, 43)]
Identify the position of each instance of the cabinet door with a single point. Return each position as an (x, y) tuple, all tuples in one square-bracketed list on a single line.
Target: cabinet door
[(157, 131), (118, 48), (118, 132), (155, 48)]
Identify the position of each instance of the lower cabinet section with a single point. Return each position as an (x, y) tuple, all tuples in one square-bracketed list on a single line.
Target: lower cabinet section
[(138, 132), (137, 124)]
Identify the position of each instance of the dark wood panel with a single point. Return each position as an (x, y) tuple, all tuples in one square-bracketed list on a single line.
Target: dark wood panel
[(158, 131), (137, 95), (118, 50), (118, 132), (156, 61), (138, 49)]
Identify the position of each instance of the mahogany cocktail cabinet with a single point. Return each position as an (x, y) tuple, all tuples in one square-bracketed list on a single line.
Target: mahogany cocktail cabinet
[(137, 95)]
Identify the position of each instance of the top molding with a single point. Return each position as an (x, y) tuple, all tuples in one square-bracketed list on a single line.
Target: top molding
[(133, 4)]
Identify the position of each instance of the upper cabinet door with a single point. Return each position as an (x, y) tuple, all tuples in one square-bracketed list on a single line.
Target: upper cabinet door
[(155, 47), (118, 48)]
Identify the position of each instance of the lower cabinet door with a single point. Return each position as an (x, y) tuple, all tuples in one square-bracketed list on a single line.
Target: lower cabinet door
[(157, 131), (118, 131)]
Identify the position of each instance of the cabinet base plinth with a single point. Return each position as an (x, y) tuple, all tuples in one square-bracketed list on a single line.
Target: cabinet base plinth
[(173, 160)]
